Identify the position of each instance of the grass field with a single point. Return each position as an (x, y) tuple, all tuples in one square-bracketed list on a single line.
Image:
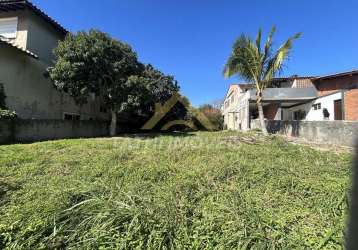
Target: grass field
[(192, 191)]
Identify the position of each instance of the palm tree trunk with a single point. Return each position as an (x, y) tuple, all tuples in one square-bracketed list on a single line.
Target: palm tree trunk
[(113, 126), (261, 114)]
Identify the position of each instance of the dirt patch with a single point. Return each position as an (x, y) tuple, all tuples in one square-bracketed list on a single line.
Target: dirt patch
[(318, 146), (247, 139), (258, 138)]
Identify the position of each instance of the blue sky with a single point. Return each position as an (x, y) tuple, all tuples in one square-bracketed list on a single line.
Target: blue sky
[(191, 39)]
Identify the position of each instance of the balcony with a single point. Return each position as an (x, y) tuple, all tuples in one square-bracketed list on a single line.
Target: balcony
[(285, 94)]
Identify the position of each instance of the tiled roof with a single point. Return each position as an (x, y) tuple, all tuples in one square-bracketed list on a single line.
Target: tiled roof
[(346, 73), (14, 5), (10, 44), (279, 79)]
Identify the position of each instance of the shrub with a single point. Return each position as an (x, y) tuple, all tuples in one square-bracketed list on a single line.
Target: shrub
[(4, 112), (7, 114), (214, 115)]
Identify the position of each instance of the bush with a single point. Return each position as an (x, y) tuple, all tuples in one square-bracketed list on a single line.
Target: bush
[(7, 114), (4, 112), (214, 116)]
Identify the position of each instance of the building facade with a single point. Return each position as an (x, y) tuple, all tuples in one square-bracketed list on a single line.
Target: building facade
[(330, 97), (27, 39)]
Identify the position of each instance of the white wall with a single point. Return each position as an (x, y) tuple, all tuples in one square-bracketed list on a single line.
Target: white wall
[(236, 115), (311, 114)]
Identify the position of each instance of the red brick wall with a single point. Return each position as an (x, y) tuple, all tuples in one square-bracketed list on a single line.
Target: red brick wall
[(270, 111), (327, 86), (303, 83), (351, 105)]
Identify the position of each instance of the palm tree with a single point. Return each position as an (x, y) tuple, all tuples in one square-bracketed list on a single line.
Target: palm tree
[(257, 64)]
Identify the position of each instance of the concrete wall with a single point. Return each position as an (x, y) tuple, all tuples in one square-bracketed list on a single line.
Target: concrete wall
[(287, 94), (6, 131), (341, 133), (39, 130), (32, 95), (42, 38)]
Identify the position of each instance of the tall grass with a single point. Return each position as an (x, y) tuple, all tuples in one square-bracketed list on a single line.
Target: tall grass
[(166, 192)]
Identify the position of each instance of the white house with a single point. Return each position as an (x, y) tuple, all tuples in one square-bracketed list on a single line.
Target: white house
[(330, 97)]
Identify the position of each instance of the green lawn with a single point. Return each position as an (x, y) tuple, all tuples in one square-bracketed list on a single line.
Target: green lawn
[(183, 192)]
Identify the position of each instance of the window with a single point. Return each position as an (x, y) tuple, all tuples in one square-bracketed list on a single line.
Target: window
[(71, 117), (299, 115), (316, 106), (8, 27)]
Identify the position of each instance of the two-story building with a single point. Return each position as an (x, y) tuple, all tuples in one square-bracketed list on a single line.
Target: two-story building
[(330, 97), (27, 39)]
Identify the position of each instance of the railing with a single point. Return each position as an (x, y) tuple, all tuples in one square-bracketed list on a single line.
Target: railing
[(277, 94)]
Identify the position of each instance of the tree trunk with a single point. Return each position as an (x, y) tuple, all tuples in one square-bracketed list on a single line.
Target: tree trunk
[(261, 114), (113, 126)]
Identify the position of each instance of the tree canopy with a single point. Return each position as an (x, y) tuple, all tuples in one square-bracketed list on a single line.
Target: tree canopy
[(94, 63)]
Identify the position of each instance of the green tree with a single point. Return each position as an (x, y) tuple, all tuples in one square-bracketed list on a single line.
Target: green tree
[(94, 63), (213, 114), (160, 88), (148, 88), (258, 64)]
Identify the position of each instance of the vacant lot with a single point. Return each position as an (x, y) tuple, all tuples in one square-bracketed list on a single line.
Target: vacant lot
[(192, 191)]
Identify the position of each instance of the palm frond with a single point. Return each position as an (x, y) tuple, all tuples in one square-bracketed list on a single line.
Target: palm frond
[(240, 61), (275, 63), (268, 46), (255, 65), (258, 40)]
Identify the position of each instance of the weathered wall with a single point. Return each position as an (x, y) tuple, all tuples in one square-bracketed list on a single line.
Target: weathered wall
[(236, 113), (39, 130), (6, 131), (42, 38), (32, 95), (341, 133)]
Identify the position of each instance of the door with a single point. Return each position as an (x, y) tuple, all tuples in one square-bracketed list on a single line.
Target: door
[(338, 110)]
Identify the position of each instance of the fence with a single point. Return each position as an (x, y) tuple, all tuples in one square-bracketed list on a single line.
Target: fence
[(38, 130), (342, 133)]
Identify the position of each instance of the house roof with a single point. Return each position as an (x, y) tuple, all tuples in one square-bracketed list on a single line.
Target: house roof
[(346, 73), (12, 45), (14, 5), (294, 77), (247, 86)]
